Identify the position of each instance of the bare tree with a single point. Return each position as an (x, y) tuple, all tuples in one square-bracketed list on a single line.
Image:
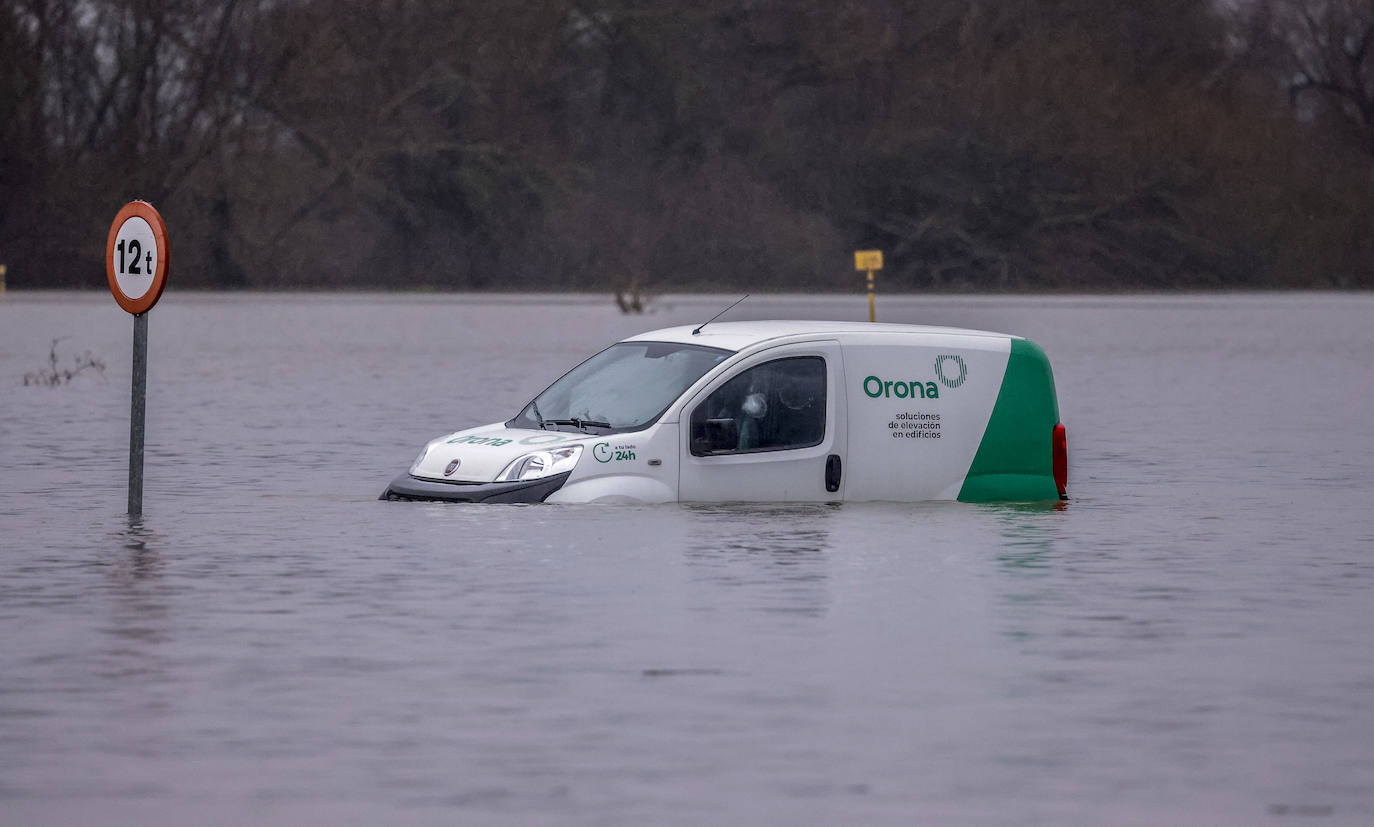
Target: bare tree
[(666, 144), (1327, 53)]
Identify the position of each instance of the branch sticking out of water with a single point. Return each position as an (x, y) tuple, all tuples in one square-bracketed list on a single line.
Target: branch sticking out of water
[(53, 375), (631, 297)]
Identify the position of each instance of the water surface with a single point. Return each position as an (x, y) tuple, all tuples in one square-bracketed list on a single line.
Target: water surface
[(1189, 641)]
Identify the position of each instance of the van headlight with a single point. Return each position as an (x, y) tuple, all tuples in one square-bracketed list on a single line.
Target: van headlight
[(539, 464)]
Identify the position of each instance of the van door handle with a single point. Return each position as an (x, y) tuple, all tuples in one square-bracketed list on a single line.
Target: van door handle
[(832, 473)]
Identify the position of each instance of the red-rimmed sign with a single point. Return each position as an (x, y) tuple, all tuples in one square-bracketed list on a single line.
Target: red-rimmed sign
[(137, 256), (136, 260)]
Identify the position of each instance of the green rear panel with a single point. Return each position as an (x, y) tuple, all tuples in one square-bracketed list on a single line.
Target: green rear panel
[(1014, 461)]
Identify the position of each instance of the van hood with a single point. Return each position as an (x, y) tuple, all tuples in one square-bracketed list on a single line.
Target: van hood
[(484, 452)]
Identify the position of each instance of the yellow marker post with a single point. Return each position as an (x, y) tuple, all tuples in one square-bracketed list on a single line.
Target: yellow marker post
[(3, 271), (869, 260)]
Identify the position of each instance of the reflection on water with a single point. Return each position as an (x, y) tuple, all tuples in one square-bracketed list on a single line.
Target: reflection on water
[(140, 623), (779, 550), (140, 558), (1028, 532)]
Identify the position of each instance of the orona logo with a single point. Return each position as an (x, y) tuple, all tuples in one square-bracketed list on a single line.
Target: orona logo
[(949, 369)]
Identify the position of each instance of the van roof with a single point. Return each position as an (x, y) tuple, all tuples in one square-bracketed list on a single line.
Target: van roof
[(740, 335)]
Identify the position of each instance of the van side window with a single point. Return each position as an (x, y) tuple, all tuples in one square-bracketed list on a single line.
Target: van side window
[(770, 407)]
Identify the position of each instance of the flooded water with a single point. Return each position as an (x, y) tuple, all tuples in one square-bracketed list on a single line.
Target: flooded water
[(1190, 640)]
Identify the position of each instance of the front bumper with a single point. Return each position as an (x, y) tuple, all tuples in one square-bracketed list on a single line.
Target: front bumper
[(406, 487)]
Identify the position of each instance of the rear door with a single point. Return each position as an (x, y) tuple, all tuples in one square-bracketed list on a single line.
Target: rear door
[(771, 429)]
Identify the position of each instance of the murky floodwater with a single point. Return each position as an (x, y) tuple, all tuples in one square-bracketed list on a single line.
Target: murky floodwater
[(1190, 641)]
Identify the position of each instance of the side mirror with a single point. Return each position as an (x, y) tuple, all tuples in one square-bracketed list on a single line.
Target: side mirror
[(713, 436)]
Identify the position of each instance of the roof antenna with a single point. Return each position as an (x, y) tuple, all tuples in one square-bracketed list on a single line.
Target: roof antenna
[(718, 315)]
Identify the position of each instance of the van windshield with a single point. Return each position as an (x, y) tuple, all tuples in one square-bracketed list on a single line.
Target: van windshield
[(625, 387)]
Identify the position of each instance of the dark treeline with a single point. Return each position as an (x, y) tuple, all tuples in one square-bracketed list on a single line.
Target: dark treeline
[(491, 144)]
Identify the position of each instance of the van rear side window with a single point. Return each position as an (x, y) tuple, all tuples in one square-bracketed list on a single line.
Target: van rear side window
[(776, 406)]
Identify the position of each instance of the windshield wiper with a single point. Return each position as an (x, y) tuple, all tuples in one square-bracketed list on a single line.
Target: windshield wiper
[(580, 424), (534, 408)]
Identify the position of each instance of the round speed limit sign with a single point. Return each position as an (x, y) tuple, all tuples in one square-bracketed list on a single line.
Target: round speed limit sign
[(136, 257)]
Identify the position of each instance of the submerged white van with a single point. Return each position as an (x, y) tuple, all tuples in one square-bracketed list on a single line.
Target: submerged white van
[(771, 411)]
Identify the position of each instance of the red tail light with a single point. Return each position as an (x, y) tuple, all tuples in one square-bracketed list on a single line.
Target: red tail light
[(1060, 443)]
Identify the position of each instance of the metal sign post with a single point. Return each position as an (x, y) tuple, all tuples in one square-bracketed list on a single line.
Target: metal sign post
[(869, 260), (137, 406), (137, 256)]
